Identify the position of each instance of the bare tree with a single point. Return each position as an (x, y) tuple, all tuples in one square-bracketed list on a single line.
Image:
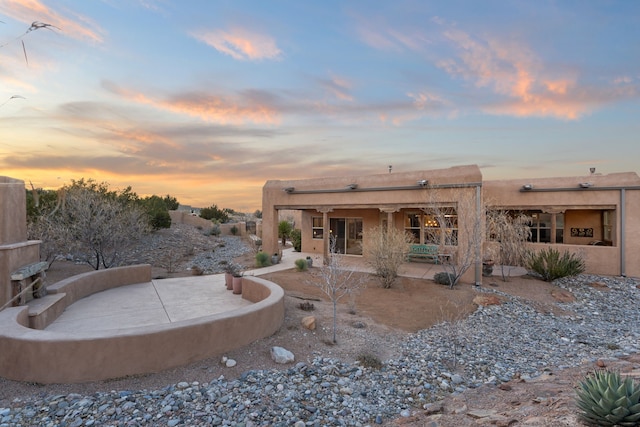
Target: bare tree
[(386, 251), (457, 227), (507, 234), (97, 226), (336, 280)]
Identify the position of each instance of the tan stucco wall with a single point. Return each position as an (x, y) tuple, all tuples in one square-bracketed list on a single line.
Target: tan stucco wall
[(53, 357), (15, 250), (604, 193)]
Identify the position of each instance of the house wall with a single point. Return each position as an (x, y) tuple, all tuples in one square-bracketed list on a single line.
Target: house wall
[(582, 207)]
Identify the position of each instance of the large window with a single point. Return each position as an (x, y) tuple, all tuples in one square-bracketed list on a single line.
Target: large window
[(433, 226), (544, 226)]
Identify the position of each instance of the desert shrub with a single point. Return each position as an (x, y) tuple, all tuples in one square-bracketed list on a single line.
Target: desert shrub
[(550, 264), (301, 264), (234, 230), (386, 252), (306, 306), (263, 259), (444, 278), (215, 230), (604, 399), (296, 239), (369, 361)]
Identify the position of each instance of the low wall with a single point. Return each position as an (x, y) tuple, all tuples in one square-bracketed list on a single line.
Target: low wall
[(53, 357)]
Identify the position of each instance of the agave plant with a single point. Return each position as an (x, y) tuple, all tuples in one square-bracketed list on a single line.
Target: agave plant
[(607, 400)]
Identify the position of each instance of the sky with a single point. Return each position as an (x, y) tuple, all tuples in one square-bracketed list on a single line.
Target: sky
[(206, 100)]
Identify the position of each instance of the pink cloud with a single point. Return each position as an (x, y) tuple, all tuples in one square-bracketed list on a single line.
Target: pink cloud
[(213, 108), (27, 11), (241, 44)]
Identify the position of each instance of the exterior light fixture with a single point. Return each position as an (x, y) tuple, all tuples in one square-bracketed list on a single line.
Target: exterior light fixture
[(288, 189), (585, 184), (352, 186), (423, 183), (527, 187)]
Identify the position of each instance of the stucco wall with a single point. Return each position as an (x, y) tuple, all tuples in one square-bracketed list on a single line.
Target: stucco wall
[(52, 357)]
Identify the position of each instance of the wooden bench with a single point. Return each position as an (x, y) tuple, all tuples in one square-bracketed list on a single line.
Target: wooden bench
[(428, 252)]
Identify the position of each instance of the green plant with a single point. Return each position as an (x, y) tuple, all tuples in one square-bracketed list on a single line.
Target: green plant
[(284, 231), (607, 400), (296, 239), (234, 230), (550, 264), (301, 264), (232, 268), (369, 361), (263, 259), (444, 278)]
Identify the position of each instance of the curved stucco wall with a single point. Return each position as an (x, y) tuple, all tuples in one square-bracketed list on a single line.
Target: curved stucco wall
[(52, 357)]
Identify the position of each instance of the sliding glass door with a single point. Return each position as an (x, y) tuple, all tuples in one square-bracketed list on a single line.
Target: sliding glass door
[(348, 235)]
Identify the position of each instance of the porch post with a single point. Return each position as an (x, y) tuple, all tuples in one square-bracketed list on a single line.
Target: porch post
[(326, 230)]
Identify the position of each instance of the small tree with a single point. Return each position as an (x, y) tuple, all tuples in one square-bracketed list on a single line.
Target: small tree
[(507, 234), (214, 214), (336, 281), (284, 231), (386, 251), (447, 220)]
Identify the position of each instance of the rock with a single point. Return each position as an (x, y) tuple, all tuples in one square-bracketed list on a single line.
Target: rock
[(561, 295), (486, 300), (309, 322), (504, 387), (598, 285), (281, 355), (481, 413), (230, 363), (600, 363)]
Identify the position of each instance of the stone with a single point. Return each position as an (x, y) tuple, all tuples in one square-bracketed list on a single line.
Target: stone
[(309, 322), (561, 295), (481, 413), (281, 355), (598, 285), (486, 300), (230, 363)]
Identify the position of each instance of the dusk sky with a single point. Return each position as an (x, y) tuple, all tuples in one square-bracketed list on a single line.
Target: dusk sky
[(207, 100)]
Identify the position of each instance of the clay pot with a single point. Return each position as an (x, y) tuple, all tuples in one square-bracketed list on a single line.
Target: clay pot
[(237, 284), (228, 281)]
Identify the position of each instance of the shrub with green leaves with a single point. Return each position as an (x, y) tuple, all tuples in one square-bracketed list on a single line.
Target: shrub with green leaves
[(604, 399), (444, 278), (263, 259), (234, 230), (550, 264), (301, 264), (296, 239)]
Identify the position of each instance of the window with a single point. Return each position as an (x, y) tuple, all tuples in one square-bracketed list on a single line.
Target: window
[(317, 228), (542, 227), (436, 226)]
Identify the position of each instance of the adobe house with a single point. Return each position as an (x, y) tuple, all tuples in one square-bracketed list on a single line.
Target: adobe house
[(596, 215)]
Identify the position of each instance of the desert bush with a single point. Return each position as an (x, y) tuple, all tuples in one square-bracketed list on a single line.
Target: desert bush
[(215, 230), (444, 278), (234, 230), (301, 264), (263, 259), (306, 306), (369, 361), (386, 252), (604, 399), (296, 239), (550, 264)]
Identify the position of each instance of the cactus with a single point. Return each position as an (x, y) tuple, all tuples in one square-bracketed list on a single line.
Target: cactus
[(607, 400)]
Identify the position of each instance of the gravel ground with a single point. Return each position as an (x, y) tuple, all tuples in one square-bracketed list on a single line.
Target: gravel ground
[(496, 344)]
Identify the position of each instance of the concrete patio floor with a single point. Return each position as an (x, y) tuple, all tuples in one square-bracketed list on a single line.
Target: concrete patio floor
[(172, 300)]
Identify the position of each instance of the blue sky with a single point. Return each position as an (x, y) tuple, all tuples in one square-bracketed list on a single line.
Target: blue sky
[(207, 100)]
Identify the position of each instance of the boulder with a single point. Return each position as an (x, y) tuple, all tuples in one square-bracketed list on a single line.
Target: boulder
[(281, 355), (485, 300), (309, 322)]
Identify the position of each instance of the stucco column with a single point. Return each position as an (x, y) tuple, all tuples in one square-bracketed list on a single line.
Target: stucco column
[(389, 211), (326, 231), (270, 230), (553, 228)]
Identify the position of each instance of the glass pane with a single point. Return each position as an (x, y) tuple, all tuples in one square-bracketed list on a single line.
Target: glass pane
[(559, 220), (317, 221), (318, 233)]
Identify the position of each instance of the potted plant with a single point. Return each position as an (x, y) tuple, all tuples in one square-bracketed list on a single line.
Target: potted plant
[(487, 267), (237, 283), (274, 258), (309, 262), (230, 270)]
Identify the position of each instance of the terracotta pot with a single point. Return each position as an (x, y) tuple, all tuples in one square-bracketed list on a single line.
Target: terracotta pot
[(237, 285), (228, 280)]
